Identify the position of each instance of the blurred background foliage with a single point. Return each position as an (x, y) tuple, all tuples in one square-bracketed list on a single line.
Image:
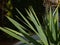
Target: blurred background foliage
[(9, 8)]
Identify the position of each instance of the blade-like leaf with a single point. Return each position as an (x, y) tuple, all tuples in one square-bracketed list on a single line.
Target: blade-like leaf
[(51, 25), (17, 25), (29, 25), (14, 31), (24, 35), (39, 29), (14, 35), (34, 14)]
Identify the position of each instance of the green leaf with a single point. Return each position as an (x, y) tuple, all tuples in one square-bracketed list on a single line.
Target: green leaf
[(34, 14), (14, 35), (39, 29), (52, 27), (31, 40), (17, 25), (18, 33), (29, 25)]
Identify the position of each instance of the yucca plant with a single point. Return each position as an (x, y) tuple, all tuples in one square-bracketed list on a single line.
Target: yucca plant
[(48, 34)]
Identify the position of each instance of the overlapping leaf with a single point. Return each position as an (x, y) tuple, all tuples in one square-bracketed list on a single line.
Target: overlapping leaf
[(49, 37)]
